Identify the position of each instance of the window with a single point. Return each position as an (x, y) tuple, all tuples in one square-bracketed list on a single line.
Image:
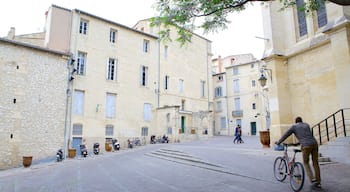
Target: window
[(218, 106), (253, 83), (112, 69), (239, 122), (223, 122), (81, 63), (144, 131), (321, 14), (147, 111), (181, 85), (166, 82), (110, 105), (113, 36), (170, 131), (202, 88), (168, 117), (145, 46), (235, 71), (218, 92), (236, 88), (237, 103), (183, 102), (78, 105), (109, 130), (143, 75), (166, 51), (252, 65), (77, 129), (253, 106), (83, 27), (302, 26)]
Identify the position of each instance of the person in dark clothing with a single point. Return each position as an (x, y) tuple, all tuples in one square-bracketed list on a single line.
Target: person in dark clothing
[(238, 134), (309, 146)]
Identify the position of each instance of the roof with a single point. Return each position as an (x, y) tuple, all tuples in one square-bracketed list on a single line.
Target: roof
[(27, 45)]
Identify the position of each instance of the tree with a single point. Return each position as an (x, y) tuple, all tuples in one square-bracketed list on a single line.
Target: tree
[(184, 14)]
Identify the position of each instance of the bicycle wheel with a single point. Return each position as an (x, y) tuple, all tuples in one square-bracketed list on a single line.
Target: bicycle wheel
[(280, 169), (297, 177)]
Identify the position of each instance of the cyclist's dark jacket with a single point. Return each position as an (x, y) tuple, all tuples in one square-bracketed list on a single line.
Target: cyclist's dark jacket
[(303, 133)]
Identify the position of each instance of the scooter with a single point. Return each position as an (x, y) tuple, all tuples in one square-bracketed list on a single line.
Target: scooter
[(130, 143), (116, 145), (96, 148), (165, 139), (59, 155), (153, 139), (83, 150)]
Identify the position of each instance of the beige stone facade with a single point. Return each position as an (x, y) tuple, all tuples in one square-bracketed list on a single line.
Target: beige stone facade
[(309, 60), (238, 98), (149, 82), (33, 81)]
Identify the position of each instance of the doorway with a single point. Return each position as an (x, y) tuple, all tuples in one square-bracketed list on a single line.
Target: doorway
[(253, 128)]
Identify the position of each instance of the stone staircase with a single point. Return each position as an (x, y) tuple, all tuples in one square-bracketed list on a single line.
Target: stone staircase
[(337, 151)]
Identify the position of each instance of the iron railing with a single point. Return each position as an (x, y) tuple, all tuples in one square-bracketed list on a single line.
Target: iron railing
[(335, 125)]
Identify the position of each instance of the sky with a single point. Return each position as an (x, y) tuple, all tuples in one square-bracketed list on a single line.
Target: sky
[(28, 16)]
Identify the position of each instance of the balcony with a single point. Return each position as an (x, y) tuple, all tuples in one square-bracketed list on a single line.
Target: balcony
[(237, 113)]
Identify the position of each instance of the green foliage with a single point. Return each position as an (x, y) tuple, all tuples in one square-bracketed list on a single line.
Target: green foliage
[(207, 15)]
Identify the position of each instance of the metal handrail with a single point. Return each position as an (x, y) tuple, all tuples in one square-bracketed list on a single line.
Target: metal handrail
[(335, 125)]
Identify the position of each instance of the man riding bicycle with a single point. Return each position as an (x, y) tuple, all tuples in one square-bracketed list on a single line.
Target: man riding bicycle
[(309, 146)]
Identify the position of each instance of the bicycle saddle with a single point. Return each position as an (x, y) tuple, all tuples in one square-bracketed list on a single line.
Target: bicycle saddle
[(297, 150)]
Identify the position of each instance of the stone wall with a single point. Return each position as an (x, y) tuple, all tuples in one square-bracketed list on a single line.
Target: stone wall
[(32, 102)]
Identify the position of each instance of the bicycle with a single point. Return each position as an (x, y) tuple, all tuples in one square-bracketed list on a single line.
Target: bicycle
[(284, 165)]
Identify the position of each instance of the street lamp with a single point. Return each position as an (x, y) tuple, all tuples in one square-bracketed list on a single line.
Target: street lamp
[(263, 80), (265, 135)]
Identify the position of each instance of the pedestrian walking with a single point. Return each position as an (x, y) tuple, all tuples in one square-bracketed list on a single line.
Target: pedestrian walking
[(309, 146), (238, 134)]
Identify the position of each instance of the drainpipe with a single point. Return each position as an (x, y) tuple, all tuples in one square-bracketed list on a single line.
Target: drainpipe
[(158, 78), (227, 112)]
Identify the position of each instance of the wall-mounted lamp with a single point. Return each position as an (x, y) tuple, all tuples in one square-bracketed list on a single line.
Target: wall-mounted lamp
[(263, 80)]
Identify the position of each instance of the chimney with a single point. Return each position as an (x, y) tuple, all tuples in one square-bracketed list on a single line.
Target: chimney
[(11, 33), (219, 64)]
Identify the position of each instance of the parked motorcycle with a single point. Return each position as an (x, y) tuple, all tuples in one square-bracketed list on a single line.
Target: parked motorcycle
[(96, 148), (130, 143), (153, 139), (116, 145), (59, 155), (165, 139), (83, 149), (137, 142)]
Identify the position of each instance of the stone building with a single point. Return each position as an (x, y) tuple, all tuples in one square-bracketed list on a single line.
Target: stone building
[(308, 57), (127, 84), (238, 97), (33, 84)]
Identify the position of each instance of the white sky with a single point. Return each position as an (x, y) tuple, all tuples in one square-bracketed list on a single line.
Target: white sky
[(28, 16)]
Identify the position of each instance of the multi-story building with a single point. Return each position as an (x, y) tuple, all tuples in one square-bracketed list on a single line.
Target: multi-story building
[(127, 84), (308, 57), (33, 84), (238, 98)]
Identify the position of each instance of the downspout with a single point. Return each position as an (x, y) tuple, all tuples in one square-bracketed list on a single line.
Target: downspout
[(71, 90), (66, 132), (208, 86), (158, 78), (227, 112)]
